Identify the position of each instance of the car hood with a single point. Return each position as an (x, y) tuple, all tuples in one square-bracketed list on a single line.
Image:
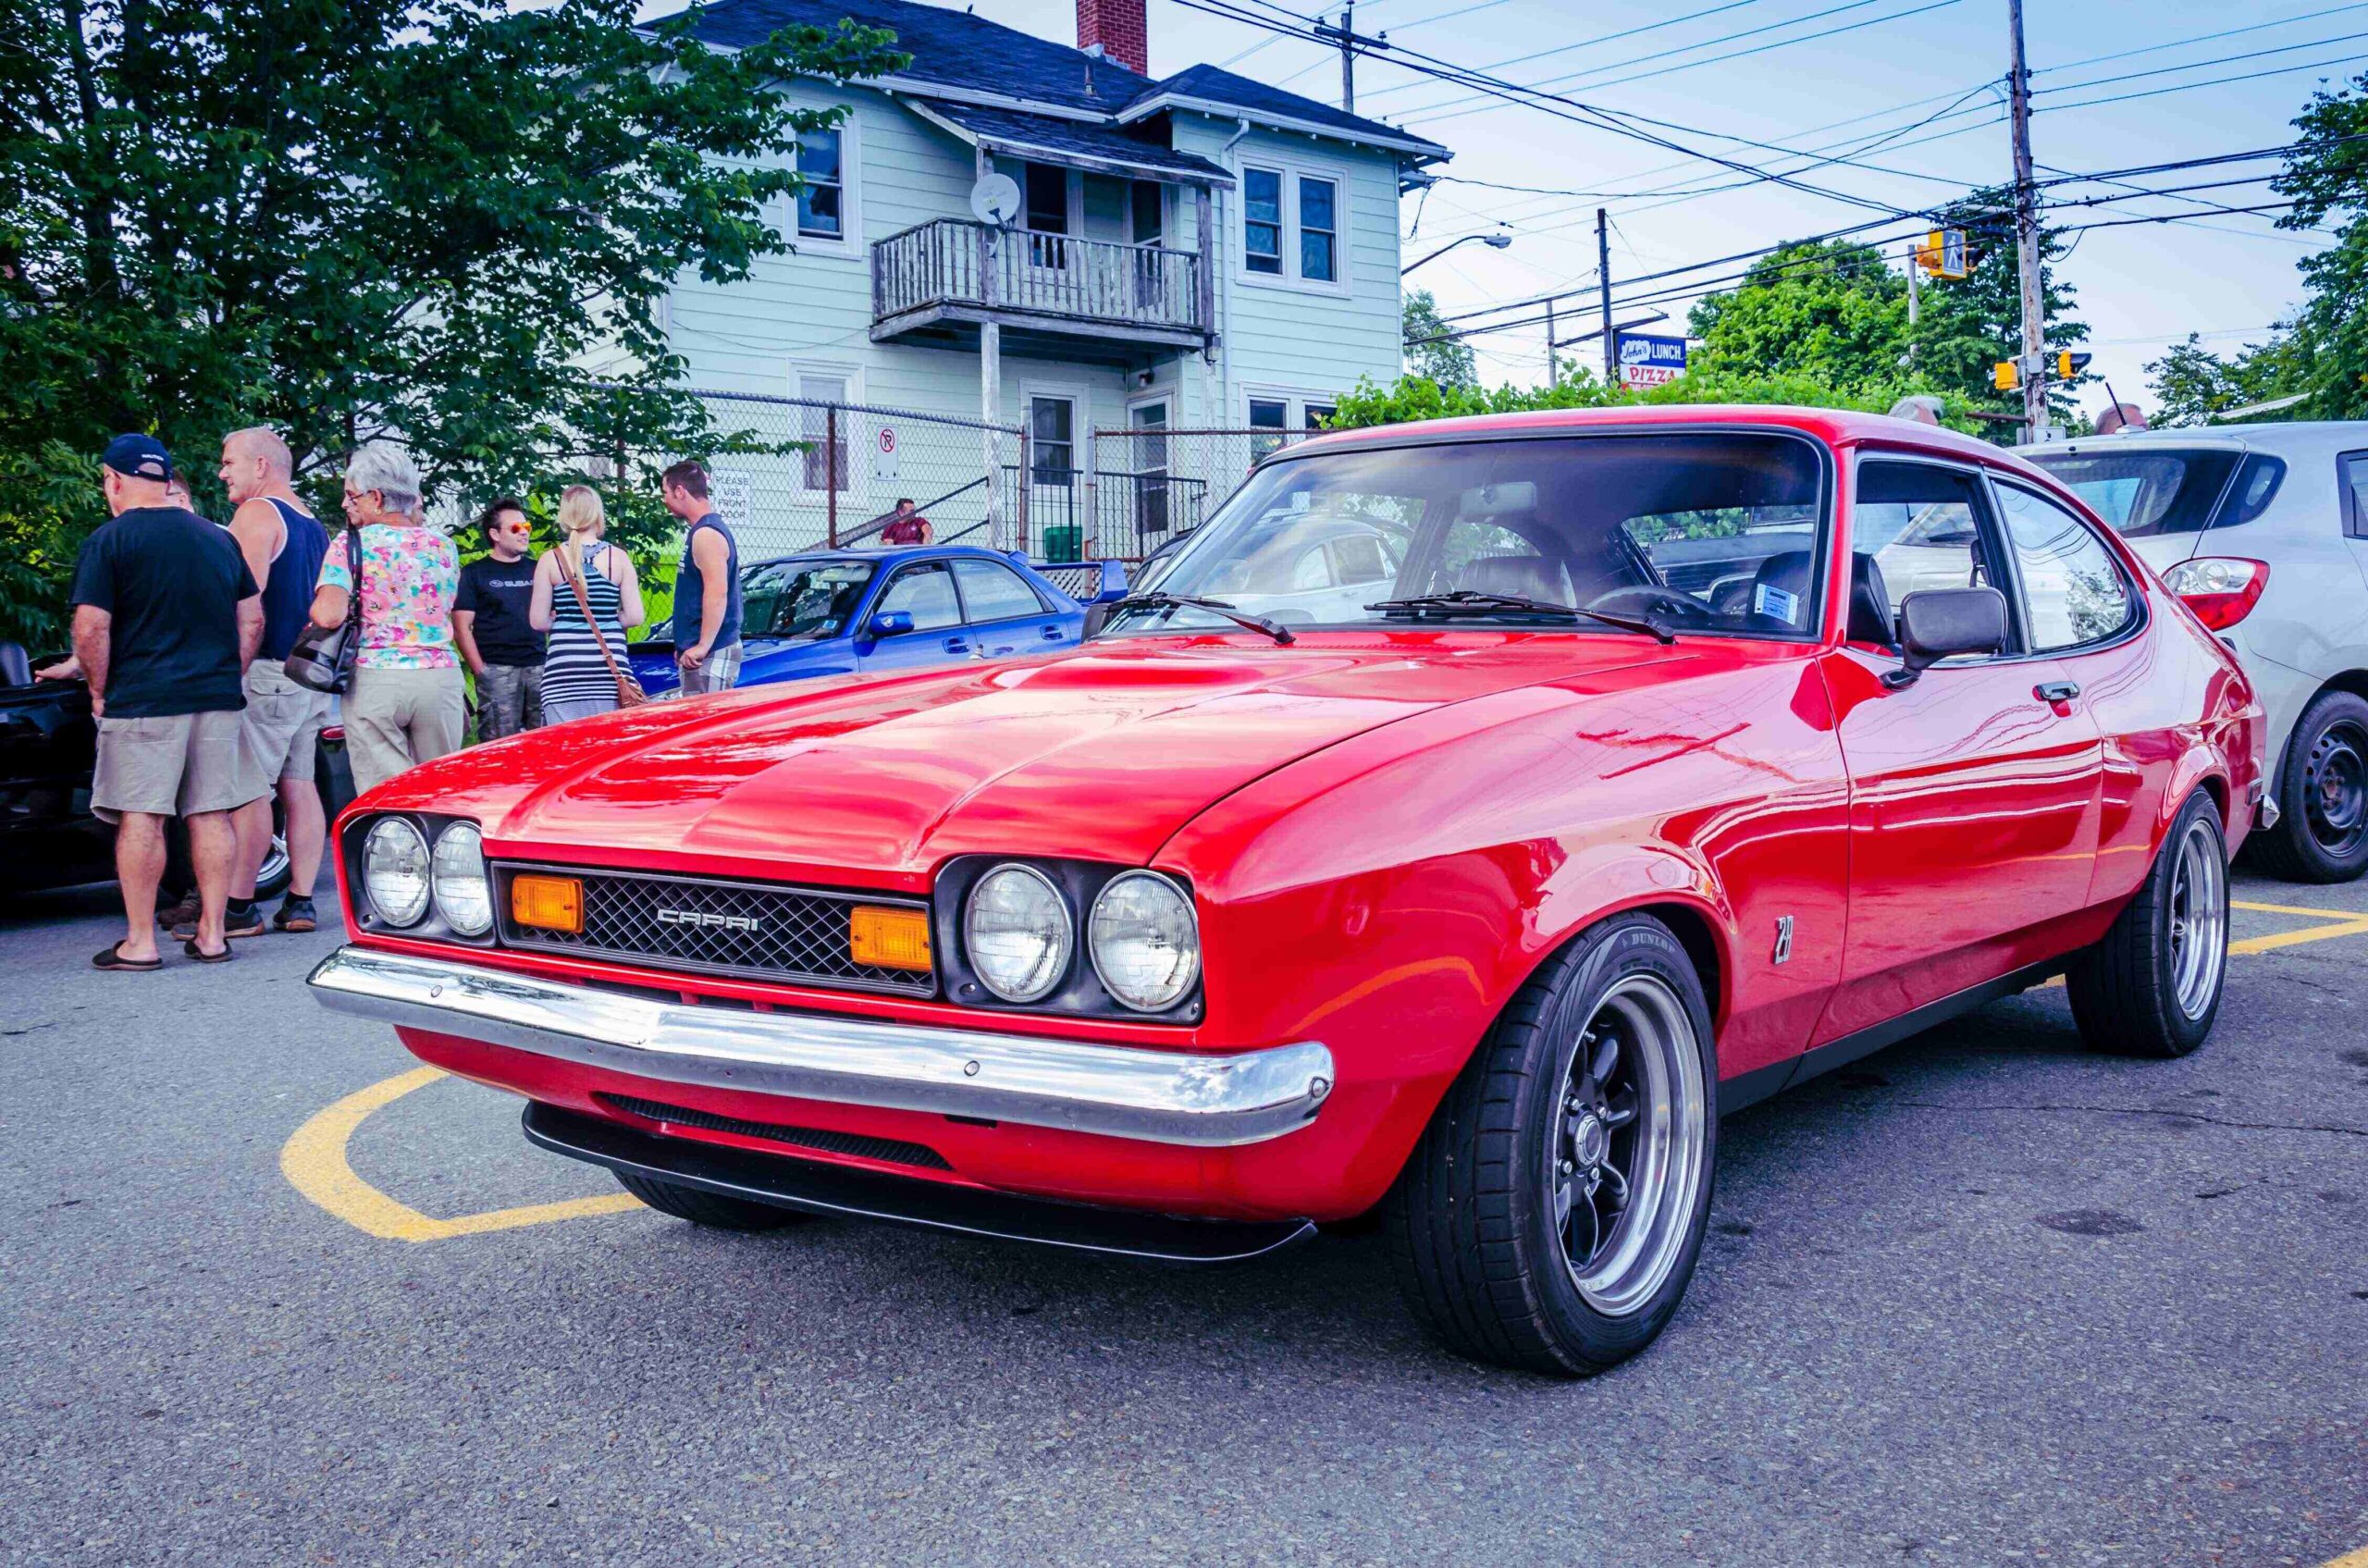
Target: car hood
[(1101, 755)]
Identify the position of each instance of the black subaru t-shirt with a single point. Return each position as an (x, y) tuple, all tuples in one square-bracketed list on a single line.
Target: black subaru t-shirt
[(496, 592), (172, 583)]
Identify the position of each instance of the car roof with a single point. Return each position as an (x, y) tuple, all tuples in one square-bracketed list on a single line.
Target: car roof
[(2287, 438), (892, 555), (1836, 427)]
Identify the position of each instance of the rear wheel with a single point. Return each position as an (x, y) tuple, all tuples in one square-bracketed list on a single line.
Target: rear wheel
[(2152, 987), (1550, 1218), (702, 1207), (2322, 835)]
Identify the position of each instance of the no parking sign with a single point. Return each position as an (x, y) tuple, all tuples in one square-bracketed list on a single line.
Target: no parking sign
[(883, 454)]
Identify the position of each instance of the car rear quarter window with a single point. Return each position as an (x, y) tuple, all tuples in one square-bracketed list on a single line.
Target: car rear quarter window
[(2353, 467), (2259, 478), (2146, 492), (2073, 591)]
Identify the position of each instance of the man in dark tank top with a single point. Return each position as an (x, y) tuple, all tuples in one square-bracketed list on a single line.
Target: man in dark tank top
[(706, 586), (283, 543)]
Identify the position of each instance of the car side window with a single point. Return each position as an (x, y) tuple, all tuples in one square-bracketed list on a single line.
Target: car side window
[(2074, 592), (925, 593), (1922, 527), (2258, 478), (995, 593), (2353, 467)]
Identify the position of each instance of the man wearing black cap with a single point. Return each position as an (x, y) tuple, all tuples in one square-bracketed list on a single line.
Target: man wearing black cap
[(166, 617)]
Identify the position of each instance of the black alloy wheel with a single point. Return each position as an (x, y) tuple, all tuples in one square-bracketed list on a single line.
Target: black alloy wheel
[(2323, 796)]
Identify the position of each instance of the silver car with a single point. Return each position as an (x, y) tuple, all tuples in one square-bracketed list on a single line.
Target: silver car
[(2264, 532)]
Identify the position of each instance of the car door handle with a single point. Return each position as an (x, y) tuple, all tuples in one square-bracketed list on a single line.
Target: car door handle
[(1050, 634), (955, 645), (2056, 691)]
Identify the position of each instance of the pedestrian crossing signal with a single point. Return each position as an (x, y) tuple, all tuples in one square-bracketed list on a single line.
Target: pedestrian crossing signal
[(2068, 364), (2004, 375), (1943, 253)]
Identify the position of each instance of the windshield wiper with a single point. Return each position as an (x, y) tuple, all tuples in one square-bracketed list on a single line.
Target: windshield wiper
[(1274, 629), (1472, 601)]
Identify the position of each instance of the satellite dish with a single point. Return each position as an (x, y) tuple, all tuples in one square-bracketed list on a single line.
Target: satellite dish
[(995, 200)]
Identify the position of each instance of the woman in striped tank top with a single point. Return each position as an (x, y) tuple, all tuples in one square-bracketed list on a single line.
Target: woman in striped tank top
[(576, 682)]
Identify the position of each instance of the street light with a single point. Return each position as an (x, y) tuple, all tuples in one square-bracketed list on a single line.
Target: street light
[(1497, 241)]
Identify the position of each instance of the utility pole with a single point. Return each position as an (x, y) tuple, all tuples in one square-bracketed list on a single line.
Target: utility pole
[(1347, 37), (1913, 253), (1553, 365), (1603, 294), (2026, 259)]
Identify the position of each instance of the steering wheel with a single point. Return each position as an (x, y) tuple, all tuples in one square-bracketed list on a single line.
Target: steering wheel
[(1666, 604)]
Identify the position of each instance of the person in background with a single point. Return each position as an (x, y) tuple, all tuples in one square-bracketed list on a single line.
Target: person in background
[(406, 705), (279, 732), (576, 680), (489, 622), (706, 586), (909, 527), (166, 617)]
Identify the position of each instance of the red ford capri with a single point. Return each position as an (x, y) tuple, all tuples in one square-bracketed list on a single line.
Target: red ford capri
[(1475, 814)]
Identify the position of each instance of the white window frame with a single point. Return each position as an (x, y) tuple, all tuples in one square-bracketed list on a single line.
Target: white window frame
[(858, 473), (1294, 401), (848, 246), (1292, 168), (1081, 424)]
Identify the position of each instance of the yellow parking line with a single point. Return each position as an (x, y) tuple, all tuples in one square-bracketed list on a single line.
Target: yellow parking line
[(2352, 1559), (2332, 924), (314, 1163)]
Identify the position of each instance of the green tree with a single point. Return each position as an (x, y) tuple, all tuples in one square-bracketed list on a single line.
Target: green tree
[(1412, 398), (2324, 353), (1429, 353), (2191, 383), (1827, 310), (441, 221)]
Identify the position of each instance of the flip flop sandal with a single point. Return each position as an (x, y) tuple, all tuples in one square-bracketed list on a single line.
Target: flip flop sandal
[(187, 930), (113, 959), (191, 948)]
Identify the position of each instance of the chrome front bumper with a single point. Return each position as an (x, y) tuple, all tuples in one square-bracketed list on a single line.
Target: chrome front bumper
[(1114, 1090)]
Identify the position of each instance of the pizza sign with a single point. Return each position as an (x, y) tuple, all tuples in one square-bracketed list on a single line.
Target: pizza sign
[(1649, 361)]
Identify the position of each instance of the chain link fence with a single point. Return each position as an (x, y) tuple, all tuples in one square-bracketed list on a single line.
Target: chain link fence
[(1149, 486)]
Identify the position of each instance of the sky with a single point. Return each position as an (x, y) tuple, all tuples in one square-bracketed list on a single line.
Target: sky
[(1790, 73)]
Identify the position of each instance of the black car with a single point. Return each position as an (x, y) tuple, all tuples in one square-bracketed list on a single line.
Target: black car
[(48, 746)]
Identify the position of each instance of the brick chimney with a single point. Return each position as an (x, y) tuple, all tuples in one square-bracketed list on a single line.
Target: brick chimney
[(1116, 28)]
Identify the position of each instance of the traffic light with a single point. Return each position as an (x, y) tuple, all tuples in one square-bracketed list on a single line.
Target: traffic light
[(2005, 375), (2068, 364)]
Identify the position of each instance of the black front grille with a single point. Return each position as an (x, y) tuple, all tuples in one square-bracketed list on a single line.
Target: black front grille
[(750, 929), (890, 1151)]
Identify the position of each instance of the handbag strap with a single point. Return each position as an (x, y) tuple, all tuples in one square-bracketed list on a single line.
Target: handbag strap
[(599, 637), (353, 560)]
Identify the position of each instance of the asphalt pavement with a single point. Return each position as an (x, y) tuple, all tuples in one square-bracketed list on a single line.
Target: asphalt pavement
[(1983, 1299)]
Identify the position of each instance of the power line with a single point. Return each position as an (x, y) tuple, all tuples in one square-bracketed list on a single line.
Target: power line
[(2203, 65), (2215, 82), (1601, 38), (2200, 38)]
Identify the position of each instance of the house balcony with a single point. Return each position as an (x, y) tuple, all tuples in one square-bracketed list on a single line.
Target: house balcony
[(937, 283)]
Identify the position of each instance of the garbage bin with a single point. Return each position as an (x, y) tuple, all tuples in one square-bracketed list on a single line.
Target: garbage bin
[(1065, 543)]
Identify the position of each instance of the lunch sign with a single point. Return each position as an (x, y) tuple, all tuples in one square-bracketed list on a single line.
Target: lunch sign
[(1646, 361)]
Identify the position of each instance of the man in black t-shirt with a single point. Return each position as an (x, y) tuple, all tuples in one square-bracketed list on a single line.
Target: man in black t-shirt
[(503, 651), (165, 618)]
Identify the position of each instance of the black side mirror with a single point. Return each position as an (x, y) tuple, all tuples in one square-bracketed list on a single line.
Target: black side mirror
[(1941, 622)]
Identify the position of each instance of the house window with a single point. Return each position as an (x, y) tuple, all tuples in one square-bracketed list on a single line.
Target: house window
[(1319, 414), (821, 199), (1262, 207), (824, 455), (1318, 229), (1052, 428), (1268, 413), (1048, 199)]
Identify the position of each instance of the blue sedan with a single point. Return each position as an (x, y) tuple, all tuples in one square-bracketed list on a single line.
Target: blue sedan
[(836, 613)]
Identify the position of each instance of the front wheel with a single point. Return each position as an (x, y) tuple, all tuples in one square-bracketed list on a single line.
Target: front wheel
[(1551, 1216), (2152, 986)]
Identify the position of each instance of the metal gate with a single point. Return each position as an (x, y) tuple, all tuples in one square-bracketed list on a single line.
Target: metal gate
[(1150, 485)]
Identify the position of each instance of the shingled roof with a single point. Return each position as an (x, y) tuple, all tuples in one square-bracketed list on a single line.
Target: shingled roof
[(963, 53)]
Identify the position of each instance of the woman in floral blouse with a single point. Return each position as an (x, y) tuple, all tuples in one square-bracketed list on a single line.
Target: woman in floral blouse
[(405, 706)]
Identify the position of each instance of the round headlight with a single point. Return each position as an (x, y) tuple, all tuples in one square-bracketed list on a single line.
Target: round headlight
[(461, 892), (1017, 932), (1144, 941), (394, 872)]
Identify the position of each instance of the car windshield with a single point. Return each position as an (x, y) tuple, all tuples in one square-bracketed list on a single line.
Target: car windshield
[(810, 598), (1694, 531), (2145, 492)]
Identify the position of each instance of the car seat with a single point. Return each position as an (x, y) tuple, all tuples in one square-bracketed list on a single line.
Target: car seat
[(1530, 576), (16, 668)]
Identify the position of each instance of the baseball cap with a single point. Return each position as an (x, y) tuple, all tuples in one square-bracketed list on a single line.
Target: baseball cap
[(138, 457)]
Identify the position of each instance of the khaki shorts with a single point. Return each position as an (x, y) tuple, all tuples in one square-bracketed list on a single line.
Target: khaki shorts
[(179, 765), (279, 732)]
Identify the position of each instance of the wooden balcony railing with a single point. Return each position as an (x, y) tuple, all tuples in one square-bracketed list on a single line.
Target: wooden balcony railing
[(968, 266)]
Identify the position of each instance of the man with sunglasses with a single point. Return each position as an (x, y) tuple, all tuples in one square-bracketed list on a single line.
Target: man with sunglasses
[(489, 623)]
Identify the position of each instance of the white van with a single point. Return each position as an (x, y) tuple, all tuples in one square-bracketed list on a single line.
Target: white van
[(2263, 531)]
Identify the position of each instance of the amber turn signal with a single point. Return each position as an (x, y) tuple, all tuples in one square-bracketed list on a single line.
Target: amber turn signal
[(889, 939), (548, 903)]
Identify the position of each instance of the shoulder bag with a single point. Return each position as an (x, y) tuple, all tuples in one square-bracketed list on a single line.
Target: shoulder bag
[(322, 657), (629, 692)]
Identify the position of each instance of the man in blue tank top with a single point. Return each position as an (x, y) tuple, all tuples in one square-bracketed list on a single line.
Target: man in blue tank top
[(279, 737), (706, 586)]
